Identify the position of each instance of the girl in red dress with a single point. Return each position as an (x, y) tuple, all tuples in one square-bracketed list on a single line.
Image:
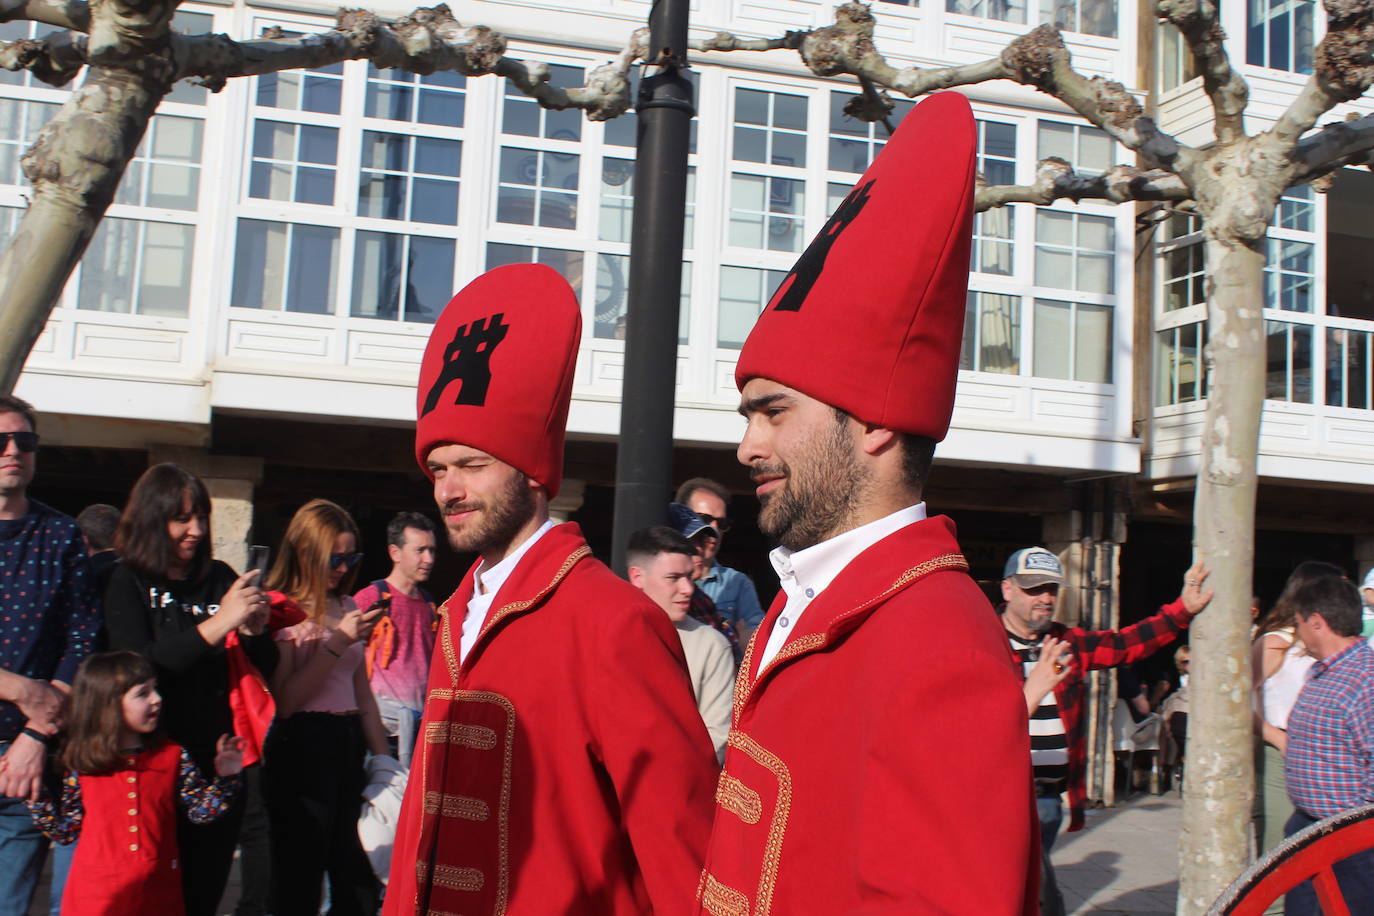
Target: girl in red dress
[(120, 793)]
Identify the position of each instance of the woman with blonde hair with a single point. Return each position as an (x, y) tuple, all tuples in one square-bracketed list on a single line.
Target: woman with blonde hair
[(1279, 663), (327, 719)]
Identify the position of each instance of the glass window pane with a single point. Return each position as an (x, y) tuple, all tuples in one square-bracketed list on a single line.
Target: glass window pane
[(315, 186), (319, 145), (438, 157), (1056, 140), (558, 211), (435, 202), (108, 270), (1053, 268), (259, 265), (1053, 339), (310, 283), (751, 106), (385, 151), (1054, 227), (789, 149), (789, 111), (623, 131), (322, 94), (165, 283), (443, 108), (178, 139), (430, 281), (751, 145), (381, 196), (173, 186), (521, 116), (515, 205), (388, 100), (1093, 347), (1095, 151), (612, 287), (377, 265)]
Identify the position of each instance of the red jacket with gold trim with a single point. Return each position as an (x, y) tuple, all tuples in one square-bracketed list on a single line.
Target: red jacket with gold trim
[(878, 764), (562, 767)]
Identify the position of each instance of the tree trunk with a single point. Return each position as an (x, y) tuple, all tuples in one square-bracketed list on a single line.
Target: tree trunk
[(1219, 783), (75, 168)]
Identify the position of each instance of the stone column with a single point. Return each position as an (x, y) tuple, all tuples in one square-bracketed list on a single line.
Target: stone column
[(1063, 536), (571, 494), (230, 480)]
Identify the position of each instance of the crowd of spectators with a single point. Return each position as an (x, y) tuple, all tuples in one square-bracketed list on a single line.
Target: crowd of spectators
[(250, 711)]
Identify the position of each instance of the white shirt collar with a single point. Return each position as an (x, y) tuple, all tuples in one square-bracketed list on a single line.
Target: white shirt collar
[(488, 580), (817, 566)]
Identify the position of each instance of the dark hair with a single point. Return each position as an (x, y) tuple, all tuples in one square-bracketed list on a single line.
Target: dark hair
[(98, 523), (11, 404), (692, 484), (396, 528), (1335, 598), (647, 543), (158, 497), (301, 569), (97, 711), (1282, 613)]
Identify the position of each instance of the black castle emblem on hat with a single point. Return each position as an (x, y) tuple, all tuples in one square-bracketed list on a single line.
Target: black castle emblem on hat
[(467, 360), (812, 262)]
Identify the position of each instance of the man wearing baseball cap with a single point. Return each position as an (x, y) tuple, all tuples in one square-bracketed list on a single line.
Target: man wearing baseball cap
[(1053, 659), (562, 766), (871, 767), (1367, 602)]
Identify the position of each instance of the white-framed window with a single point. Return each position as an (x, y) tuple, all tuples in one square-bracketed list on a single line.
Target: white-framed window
[(1183, 263), (1180, 371), (1288, 362), (1175, 59), (138, 267), (1004, 10), (1090, 17), (1289, 275), (401, 277), (1350, 368), (1089, 150), (294, 162), (994, 230), (992, 333), (20, 123), (287, 267), (540, 158), (407, 177), (1073, 341), (744, 291), (438, 98), (768, 176), (1075, 251), (165, 170), (1279, 34)]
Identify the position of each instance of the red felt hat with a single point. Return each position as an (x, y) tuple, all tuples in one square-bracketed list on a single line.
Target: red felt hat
[(498, 371), (871, 318)]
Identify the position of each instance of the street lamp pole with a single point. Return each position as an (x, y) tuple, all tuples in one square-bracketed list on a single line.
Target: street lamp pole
[(644, 458)]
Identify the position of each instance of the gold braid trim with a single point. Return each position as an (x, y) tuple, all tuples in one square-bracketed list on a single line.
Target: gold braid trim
[(441, 913), (459, 879), (719, 900), (460, 806), (777, 826), (477, 737), (737, 798), (743, 685)]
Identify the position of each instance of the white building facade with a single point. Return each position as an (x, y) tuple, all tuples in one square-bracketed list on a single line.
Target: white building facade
[(257, 299)]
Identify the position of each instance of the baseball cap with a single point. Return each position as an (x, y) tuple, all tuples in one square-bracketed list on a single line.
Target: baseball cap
[(687, 523), (1032, 566), (1368, 579)]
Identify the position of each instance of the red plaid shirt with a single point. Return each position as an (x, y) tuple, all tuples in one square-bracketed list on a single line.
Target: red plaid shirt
[(1094, 650)]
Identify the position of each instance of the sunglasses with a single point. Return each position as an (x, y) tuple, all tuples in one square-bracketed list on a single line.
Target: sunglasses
[(721, 524), (24, 441), (347, 560)]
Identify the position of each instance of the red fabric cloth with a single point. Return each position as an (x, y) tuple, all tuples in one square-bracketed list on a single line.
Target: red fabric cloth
[(880, 763), (251, 706), (879, 296), (1093, 650), (563, 767), (497, 372), (126, 860)]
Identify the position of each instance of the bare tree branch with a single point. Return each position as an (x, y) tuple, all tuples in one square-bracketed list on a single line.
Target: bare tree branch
[(55, 60), (1334, 146), (1197, 20), (727, 41), (1055, 179), (1343, 69), (72, 14)]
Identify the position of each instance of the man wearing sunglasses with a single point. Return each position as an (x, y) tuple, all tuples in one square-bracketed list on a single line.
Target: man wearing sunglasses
[(50, 622), (732, 591)]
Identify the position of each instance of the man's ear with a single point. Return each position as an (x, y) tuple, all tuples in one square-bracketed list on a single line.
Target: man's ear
[(1006, 590), (875, 440), (636, 576), (393, 552)]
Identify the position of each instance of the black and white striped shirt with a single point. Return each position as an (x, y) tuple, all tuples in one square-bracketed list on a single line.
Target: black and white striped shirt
[(1049, 742)]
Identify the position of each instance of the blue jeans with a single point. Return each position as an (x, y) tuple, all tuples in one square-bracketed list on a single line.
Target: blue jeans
[(1051, 812), (22, 847), (61, 865), (1355, 876)]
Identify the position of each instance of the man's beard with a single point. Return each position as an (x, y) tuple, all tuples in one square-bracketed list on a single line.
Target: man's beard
[(497, 522), (1036, 625), (813, 505)]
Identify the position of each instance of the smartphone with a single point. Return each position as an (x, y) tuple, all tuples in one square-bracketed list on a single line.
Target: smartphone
[(258, 556), (383, 603)]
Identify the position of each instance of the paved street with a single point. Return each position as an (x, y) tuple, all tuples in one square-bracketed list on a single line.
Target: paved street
[(1125, 861)]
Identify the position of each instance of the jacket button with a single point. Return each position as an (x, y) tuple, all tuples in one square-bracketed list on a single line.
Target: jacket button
[(132, 812), (133, 828), (133, 795), (133, 847), (133, 779)]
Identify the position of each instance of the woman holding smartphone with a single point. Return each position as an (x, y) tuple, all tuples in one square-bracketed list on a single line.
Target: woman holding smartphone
[(327, 720), (172, 602)]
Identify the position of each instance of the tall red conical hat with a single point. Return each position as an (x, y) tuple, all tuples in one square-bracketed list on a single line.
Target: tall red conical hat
[(871, 318), (498, 371)]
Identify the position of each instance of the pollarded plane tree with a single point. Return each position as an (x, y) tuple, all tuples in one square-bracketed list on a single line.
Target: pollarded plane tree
[(132, 59)]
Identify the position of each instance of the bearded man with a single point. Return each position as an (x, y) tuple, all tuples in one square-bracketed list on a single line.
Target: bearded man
[(562, 766), (877, 761)]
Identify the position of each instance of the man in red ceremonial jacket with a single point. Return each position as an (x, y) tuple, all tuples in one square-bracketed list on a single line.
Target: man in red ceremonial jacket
[(877, 761), (561, 766)]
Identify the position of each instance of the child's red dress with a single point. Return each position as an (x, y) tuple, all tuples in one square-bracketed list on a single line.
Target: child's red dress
[(127, 860)]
